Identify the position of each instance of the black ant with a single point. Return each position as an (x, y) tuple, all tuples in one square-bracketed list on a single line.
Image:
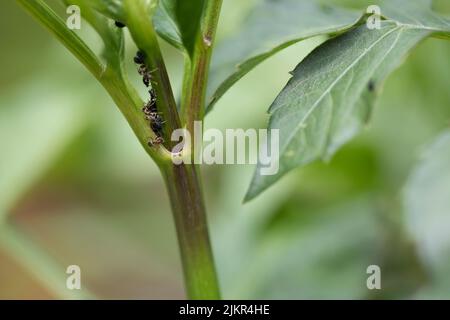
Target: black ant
[(146, 75), (152, 94), (149, 108), (156, 123), (158, 140), (147, 78)]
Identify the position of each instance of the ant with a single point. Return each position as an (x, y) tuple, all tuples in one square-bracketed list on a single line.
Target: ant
[(150, 106), (147, 78), (146, 75), (156, 141)]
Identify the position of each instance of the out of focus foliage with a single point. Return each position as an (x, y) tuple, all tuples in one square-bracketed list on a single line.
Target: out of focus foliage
[(76, 188)]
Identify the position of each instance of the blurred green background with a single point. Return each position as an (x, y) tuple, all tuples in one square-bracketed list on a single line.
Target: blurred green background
[(77, 188)]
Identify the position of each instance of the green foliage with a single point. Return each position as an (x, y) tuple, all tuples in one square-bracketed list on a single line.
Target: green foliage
[(179, 22), (417, 14), (271, 27), (291, 240), (331, 94)]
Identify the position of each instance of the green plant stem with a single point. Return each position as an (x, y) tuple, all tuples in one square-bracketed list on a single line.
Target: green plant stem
[(200, 273), (187, 201), (123, 94), (190, 218), (130, 104), (197, 66), (182, 181)]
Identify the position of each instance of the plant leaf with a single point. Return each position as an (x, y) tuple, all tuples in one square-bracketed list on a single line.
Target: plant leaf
[(332, 92), (427, 205), (271, 27), (330, 96), (111, 8), (179, 21), (165, 24), (416, 13)]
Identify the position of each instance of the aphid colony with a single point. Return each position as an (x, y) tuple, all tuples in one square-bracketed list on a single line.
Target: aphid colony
[(150, 108)]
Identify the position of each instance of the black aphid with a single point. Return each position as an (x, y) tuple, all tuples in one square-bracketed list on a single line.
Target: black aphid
[(371, 86), (140, 57), (156, 122), (119, 24)]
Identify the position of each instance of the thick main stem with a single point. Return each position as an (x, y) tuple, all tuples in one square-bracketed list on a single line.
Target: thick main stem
[(181, 180), (197, 66), (192, 230)]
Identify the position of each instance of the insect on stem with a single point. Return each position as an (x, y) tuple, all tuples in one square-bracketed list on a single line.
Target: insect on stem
[(150, 109)]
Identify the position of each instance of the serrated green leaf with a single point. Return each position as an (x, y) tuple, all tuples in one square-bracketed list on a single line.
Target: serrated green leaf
[(271, 27), (331, 94), (329, 98), (179, 21), (165, 24), (427, 205)]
